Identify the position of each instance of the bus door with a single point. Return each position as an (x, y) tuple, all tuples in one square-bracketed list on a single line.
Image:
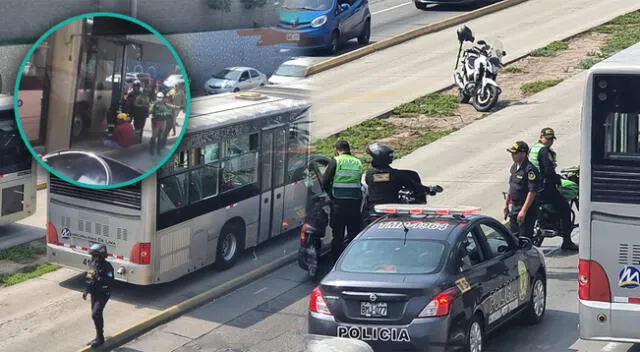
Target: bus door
[(272, 171)]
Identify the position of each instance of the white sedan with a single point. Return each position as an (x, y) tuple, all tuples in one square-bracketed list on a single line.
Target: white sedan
[(235, 79)]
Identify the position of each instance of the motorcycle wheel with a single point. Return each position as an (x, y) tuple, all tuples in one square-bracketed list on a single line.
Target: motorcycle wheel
[(462, 97), (537, 235), (487, 100)]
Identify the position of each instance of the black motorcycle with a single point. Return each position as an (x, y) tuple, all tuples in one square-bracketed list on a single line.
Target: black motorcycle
[(407, 196), (549, 223), (318, 208)]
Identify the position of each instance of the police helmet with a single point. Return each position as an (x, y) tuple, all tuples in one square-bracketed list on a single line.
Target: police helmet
[(381, 154), (98, 249)]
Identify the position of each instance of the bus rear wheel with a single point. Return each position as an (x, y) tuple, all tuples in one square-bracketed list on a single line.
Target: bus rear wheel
[(229, 246)]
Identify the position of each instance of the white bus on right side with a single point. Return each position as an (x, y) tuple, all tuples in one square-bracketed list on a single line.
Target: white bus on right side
[(609, 220)]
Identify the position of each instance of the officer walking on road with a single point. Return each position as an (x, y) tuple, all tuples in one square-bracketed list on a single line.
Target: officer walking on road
[(342, 180), (521, 206), (98, 279), (544, 159)]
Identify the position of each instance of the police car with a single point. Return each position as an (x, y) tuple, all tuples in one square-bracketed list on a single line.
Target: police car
[(429, 279)]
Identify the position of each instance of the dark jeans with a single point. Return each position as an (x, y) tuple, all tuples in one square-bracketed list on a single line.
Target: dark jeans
[(526, 228), (345, 215), (552, 196), (98, 302)]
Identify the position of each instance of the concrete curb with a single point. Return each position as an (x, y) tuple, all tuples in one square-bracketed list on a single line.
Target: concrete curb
[(173, 312), (414, 33)]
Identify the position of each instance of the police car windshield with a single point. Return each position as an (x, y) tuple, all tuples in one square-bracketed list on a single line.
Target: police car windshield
[(393, 256)]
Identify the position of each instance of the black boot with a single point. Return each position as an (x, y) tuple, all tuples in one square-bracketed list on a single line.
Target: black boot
[(568, 245), (98, 341), (92, 342)]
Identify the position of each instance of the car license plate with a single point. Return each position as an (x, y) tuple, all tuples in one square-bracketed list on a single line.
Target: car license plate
[(293, 37), (373, 310)]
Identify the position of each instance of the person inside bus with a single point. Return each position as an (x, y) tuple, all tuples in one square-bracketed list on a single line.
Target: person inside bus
[(521, 206), (544, 159), (124, 133), (98, 281), (160, 113)]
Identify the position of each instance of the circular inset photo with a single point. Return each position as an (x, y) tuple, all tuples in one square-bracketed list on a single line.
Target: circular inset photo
[(102, 100)]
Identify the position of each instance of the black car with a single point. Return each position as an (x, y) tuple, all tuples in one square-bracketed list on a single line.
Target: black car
[(426, 279)]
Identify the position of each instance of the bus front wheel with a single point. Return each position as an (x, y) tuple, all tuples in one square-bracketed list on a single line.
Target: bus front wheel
[(229, 246)]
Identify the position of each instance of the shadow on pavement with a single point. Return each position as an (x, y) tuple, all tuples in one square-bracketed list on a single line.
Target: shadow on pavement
[(163, 296), (545, 336)]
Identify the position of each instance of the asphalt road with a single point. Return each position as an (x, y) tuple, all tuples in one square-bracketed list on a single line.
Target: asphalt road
[(269, 315), (375, 84), (393, 17)]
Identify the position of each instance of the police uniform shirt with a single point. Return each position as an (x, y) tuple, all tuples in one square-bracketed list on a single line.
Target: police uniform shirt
[(385, 183), (524, 178)]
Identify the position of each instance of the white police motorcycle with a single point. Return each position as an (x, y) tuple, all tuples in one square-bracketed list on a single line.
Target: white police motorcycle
[(476, 80)]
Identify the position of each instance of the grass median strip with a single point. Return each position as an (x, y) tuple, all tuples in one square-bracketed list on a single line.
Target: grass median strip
[(551, 49), (26, 273), (622, 32), (531, 88), (24, 262)]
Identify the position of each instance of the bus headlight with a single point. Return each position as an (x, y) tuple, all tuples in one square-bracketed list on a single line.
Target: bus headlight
[(121, 270)]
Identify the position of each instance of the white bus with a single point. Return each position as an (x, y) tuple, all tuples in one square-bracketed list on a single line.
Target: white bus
[(17, 169), (235, 181), (609, 258)]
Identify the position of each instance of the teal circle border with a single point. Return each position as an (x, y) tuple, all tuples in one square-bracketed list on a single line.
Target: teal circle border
[(187, 111)]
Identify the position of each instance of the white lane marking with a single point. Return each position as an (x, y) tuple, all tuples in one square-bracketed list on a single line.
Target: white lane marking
[(260, 290), (392, 8), (610, 347)]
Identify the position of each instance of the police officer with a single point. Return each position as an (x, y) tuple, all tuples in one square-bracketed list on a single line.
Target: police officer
[(98, 279), (384, 182), (524, 185), (342, 180), (544, 159)]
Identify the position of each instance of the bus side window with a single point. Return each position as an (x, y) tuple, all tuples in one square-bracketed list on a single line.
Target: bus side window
[(297, 153), (172, 192)]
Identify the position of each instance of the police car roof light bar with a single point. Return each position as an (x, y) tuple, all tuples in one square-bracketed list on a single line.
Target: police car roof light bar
[(419, 209)]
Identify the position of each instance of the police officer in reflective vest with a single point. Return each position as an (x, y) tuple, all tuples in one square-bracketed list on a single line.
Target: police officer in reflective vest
[(98, 280), (342, 181), (524, 185), (544, 159), (384, 182)]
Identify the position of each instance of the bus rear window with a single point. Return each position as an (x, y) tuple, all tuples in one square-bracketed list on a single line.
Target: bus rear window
[(14, 155), (622, 135)]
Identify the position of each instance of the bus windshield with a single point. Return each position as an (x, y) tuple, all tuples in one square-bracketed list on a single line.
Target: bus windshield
[(14, 155)]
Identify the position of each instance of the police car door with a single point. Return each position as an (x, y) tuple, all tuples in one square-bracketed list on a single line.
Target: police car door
[(472, 277), (509, 268)]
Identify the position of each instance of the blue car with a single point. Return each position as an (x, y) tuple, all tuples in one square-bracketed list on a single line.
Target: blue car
[(324, 24)]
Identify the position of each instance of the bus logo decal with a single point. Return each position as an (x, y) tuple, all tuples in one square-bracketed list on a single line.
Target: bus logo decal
[(66, 233), (629, 277)]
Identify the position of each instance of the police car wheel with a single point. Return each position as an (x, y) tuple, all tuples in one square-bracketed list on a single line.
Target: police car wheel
[(475, 336), (537, 303)]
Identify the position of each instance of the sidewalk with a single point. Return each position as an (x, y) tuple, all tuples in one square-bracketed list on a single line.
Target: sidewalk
[(377, 83)]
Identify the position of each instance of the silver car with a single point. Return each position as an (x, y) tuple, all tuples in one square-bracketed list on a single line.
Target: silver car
[(235, 79)]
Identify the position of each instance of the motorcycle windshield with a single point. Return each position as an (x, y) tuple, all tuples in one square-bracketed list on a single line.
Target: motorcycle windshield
[(497, 49)]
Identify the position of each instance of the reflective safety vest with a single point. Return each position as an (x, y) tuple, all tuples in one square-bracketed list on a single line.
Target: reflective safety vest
[(346, 181), (534, 154)]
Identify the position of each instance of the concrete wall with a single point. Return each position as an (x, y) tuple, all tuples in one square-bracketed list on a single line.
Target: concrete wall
[(66, 55), (26, 20)]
